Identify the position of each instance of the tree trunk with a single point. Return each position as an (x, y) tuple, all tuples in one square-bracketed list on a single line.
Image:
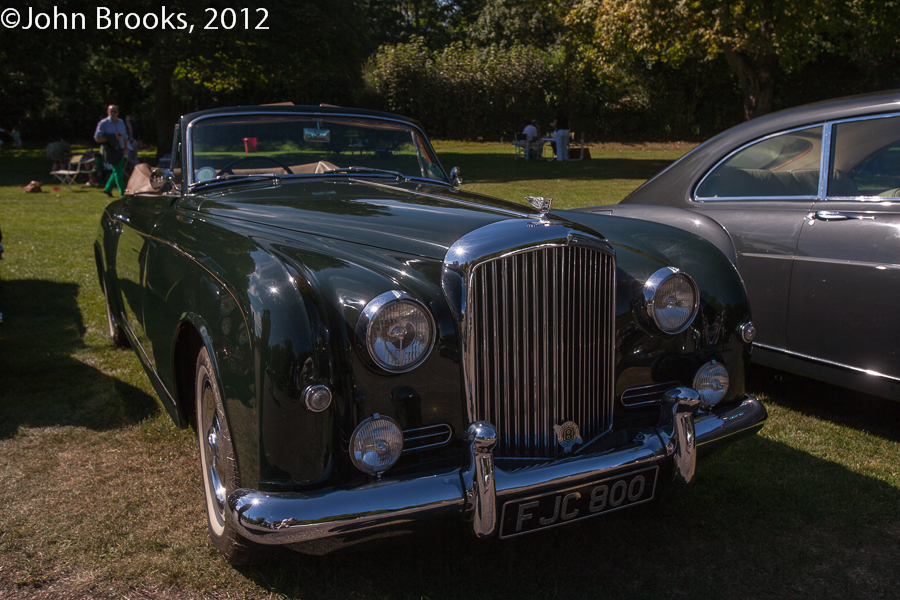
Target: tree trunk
[(166, 113), (757, 79)]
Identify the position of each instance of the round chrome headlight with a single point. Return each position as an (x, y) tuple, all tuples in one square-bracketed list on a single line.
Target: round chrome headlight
[(711, 382), (671, 299), (376, 444), (398, 331)]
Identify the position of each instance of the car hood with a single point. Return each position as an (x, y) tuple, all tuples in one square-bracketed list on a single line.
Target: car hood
[(410, 217)]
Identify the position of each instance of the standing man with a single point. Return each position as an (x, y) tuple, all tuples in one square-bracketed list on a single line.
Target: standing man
[(112, 135)]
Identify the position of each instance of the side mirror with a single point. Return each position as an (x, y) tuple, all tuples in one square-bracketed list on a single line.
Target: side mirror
[(162, 180), (455, 177)]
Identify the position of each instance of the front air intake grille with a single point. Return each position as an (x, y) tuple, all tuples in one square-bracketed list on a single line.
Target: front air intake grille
[(542, 341)]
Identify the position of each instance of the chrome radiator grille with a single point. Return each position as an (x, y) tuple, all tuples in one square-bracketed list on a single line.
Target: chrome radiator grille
[(542, 341)]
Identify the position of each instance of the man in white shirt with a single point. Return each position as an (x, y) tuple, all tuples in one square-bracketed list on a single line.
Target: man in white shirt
[(533, 136), (112, 135)]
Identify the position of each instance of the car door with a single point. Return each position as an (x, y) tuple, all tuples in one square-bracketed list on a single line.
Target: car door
[(846, 275), (134, 217), (761, 194)]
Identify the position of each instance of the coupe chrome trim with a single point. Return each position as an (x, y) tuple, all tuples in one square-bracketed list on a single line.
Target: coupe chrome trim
[(827, 261), (827, 362), (480, 488)]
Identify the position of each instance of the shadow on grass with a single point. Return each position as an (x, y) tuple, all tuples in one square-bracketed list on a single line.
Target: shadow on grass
[(500, 168), (43, 383), (761, 520), (842, 406)]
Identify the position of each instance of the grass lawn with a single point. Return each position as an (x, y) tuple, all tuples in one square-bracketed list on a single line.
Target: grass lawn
[(101, 497)]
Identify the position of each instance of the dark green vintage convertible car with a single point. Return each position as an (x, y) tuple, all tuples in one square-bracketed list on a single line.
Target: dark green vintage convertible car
[(362, 347)]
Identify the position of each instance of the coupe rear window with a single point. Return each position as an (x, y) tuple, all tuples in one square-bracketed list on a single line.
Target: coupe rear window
[(785, 165)]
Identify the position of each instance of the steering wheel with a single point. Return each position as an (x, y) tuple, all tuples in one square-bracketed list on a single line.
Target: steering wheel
[(228, 168)]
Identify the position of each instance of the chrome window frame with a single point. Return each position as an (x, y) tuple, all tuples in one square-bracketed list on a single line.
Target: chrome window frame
[(824, 173), (730, 155), (188, 149), (824, 166)]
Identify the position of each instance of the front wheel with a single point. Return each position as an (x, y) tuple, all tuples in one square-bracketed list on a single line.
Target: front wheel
[(220, 472)]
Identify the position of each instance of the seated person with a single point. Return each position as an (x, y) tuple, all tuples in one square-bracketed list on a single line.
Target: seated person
[(533, 136)]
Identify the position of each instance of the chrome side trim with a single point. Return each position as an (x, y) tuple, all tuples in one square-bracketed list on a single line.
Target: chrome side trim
[(828, 261), (827, 362)]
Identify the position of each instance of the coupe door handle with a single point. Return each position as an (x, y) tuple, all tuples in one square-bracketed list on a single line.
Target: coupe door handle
[(831, 215)]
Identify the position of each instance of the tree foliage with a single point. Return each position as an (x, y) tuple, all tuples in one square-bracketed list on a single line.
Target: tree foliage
[(759, 39), (466, 68), (461, 91)]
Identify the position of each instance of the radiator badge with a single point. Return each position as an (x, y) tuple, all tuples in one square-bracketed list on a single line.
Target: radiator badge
[(567, 435)]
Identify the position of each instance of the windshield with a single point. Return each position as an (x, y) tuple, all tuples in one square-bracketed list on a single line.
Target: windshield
[(251, 145)]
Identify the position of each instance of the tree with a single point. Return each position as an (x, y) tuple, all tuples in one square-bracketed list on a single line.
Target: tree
[(756, 37)]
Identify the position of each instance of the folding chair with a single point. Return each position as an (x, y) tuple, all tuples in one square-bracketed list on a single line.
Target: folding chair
[(520, 145), (79, 164)]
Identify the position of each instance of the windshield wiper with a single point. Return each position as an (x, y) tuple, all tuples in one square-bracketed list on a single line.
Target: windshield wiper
[(233, 176), (396, 174)]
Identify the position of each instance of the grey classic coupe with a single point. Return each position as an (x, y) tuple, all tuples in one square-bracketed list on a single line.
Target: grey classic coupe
[(807, 203), (362, 346)]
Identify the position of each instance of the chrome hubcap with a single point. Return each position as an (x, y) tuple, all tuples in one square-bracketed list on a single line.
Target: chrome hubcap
[(215, 463)]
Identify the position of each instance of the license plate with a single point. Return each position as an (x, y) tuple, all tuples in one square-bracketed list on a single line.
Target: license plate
[(573, 504)]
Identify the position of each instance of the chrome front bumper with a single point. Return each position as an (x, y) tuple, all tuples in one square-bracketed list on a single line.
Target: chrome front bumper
[(480, 489)]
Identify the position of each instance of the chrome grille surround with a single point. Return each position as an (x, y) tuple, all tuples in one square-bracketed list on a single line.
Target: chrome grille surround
[(536, 307)]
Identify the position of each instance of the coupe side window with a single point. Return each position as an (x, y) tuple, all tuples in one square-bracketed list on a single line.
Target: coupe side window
[(780, 166), (865, 159)]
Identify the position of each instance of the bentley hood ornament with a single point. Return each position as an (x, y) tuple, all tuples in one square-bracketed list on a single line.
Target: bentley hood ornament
[(540, 203)]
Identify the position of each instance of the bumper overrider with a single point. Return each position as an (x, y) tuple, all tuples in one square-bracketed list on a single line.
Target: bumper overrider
[(499, 502)]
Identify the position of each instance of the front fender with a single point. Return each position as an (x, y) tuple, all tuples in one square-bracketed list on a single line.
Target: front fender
[(687, 220)]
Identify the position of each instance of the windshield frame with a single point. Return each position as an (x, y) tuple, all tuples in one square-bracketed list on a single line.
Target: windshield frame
[(418, 133)]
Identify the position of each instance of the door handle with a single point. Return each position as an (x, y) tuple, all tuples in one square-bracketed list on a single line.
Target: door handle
[(831, 215)]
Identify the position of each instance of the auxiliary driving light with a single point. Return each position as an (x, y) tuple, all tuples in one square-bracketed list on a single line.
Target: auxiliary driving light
[(376, 444), (711, 382)]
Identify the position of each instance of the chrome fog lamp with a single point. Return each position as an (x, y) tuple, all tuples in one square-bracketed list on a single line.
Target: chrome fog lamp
[(376, 444), (317, 397), (671, 299), (711, 382), (398, 331)]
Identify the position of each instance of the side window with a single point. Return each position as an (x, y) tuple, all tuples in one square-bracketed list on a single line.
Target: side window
[(784, 165), (865, 159)]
